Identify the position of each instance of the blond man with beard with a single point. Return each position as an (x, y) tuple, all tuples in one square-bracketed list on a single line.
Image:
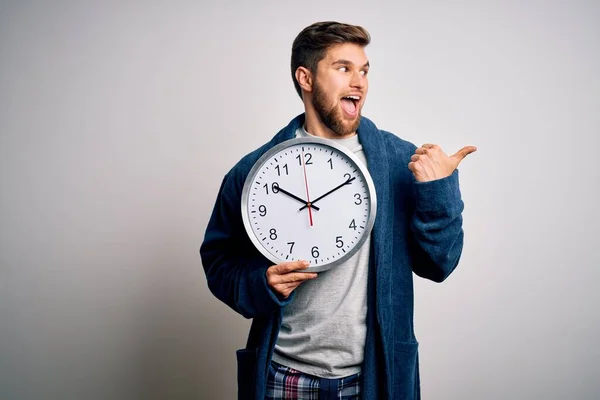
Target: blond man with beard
[(346, 333)]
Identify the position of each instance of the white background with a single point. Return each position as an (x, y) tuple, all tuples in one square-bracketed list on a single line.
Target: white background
[(118, 121)]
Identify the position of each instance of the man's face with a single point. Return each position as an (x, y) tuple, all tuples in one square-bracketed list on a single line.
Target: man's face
[(340, 88)]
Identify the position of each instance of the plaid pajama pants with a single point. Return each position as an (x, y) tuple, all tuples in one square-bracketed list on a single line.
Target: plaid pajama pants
[(285, 383)]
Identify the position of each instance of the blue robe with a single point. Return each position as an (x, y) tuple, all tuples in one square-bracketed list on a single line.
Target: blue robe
[(418, 228)]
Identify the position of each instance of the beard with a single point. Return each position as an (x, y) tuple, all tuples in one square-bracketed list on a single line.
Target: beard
[(332, 117)]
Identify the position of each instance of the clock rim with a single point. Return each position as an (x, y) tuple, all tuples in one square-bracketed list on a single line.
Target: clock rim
[(308, 140)]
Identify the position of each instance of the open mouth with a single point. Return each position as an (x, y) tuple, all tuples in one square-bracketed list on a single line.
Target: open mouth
[(350, 104)]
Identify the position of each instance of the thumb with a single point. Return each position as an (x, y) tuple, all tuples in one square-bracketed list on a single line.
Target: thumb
[(462, 153)]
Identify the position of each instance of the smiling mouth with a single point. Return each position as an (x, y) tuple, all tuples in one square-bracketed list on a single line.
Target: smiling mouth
[(350, 104)]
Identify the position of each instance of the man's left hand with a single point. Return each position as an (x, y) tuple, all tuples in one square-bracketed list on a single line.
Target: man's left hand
[(430, 163)]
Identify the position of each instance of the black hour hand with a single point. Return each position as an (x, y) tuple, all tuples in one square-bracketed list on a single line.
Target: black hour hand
[(293, 196)]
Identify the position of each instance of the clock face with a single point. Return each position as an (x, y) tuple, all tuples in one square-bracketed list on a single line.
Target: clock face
[(309, 199)]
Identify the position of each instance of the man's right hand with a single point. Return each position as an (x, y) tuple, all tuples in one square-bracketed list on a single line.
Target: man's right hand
[(283, 278)]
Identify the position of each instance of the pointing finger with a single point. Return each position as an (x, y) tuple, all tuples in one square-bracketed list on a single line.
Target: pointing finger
[(465, 151)]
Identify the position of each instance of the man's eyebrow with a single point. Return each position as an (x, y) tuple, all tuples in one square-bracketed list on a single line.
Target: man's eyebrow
[(346, 62)]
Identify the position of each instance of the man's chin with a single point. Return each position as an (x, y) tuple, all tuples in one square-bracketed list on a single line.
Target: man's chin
[(351, 124), (347, 129)]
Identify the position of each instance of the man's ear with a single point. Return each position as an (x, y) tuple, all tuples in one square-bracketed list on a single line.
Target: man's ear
[(304, 79)]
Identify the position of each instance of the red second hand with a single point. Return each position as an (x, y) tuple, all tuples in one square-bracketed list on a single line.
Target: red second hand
[(307, 195)]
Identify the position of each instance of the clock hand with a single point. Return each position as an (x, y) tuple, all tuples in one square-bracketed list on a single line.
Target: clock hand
[(347, 182), (293, 196), (307, 195)]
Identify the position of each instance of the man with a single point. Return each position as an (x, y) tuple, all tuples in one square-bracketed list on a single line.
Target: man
[(347, 332)]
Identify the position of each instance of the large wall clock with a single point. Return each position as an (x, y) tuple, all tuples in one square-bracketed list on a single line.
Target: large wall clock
[(309, 199)]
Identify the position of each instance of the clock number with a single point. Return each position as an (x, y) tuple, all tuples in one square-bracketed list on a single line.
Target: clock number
[(307, 158), (262, 210), (279, 171), (338, 242), (273, 234), (358, 199), (274, 187), (330, 163), (347, 176), (315, 252), (352, 225), (291, 246)]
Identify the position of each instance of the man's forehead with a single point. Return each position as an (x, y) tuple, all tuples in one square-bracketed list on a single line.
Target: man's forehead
[(348, 53)]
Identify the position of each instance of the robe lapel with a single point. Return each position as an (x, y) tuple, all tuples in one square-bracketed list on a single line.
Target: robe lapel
[(379, 164), (379, 168)]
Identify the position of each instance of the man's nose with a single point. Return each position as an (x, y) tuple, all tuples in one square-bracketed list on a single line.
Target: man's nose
[(358, 80)]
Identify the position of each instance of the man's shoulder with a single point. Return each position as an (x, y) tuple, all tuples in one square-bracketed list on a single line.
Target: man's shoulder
[(238, 173), (245, 164), (391, 141), (396, 141)]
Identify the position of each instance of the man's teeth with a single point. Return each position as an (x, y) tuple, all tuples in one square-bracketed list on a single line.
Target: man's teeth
[(352, 97)]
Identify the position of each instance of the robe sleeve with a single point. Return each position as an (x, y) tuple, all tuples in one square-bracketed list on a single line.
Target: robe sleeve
[(235, 270), (437, 227)]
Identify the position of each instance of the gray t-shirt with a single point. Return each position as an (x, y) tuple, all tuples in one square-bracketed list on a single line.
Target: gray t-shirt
[(324, 328)]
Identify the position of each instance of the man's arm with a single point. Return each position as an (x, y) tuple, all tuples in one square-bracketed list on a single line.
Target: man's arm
[(437, 219), (236, 272)]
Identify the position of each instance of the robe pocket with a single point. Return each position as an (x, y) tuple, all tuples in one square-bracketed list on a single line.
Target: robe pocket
[(246, 372), (406, 374)]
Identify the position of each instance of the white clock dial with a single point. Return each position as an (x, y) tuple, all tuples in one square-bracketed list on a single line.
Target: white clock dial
[(309, 199)]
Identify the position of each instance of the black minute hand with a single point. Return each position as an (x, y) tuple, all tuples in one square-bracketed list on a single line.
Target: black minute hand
[(293, 196), (347, 182)]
